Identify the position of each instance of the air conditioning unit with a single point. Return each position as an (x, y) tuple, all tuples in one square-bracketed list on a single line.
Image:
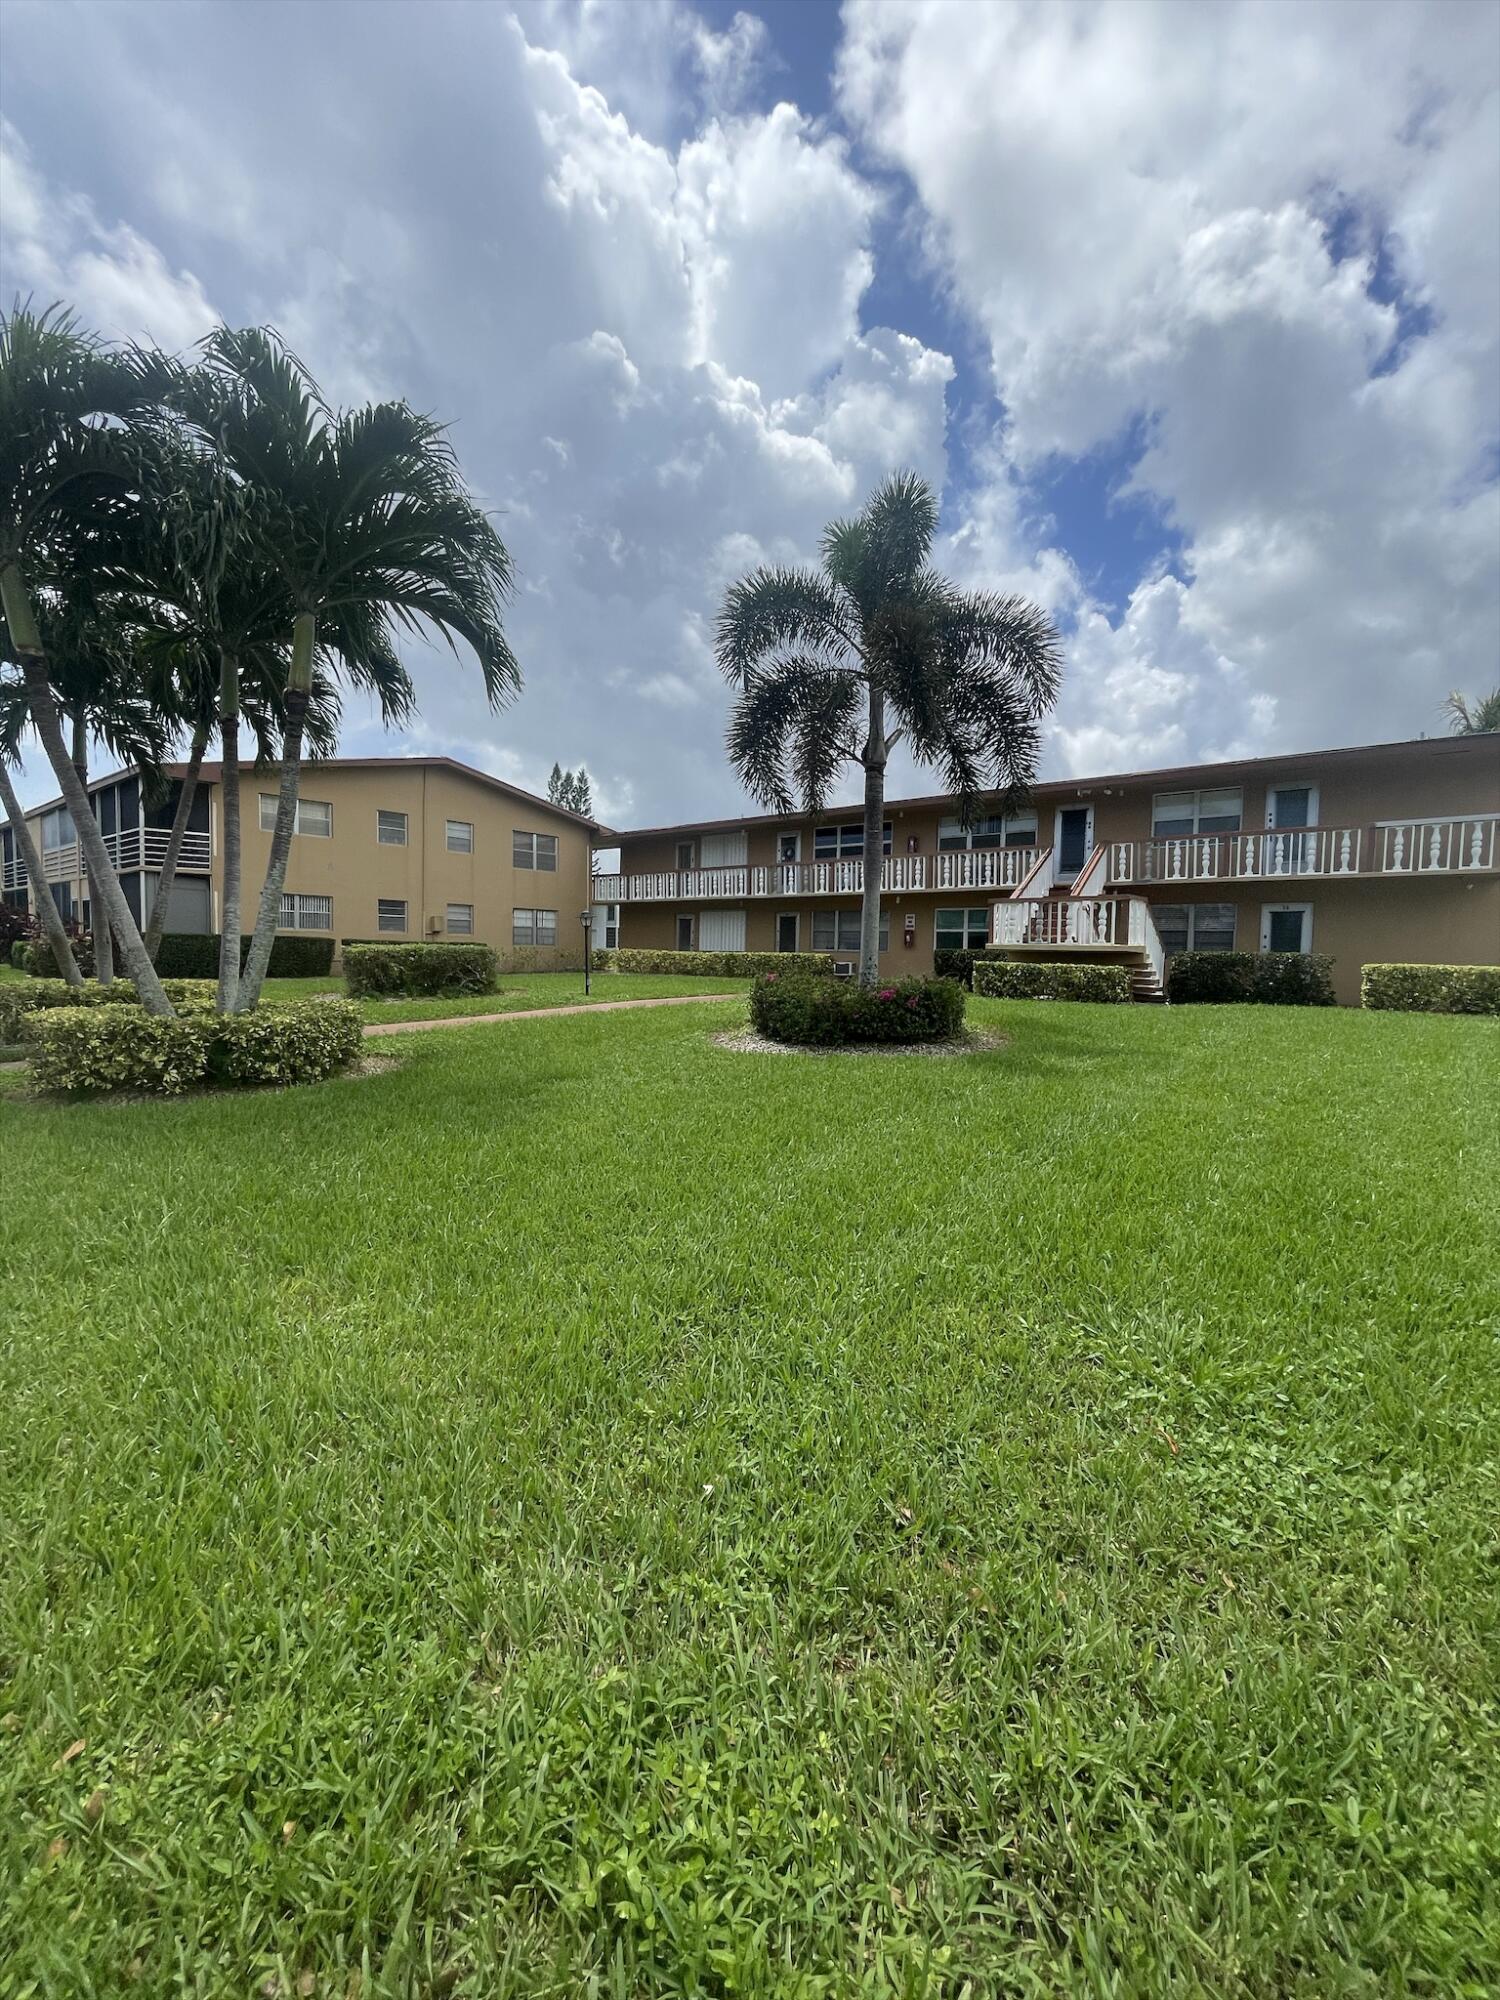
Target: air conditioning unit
[(843, 968)]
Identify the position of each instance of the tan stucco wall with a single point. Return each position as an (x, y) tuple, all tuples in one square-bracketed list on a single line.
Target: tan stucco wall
[(356, 871)]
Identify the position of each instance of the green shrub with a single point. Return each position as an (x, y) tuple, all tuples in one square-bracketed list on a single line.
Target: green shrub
[(22, 1006), (298, 1041), (18, 951), (1037, 979), (418, 969), (960, 965), (1265, 978), (92, 1049), (1431, 989), (713, 964), (37, 956), (813, 1010), (195, 955)]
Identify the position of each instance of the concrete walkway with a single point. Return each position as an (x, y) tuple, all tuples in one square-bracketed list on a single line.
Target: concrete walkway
[(544, 1013)]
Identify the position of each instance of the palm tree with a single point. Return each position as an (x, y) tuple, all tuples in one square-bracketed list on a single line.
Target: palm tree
[(1476, 718), (363, 518), (48, 914), (70, 438), (822, 658)]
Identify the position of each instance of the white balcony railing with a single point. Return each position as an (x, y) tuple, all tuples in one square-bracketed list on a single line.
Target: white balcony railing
[(1401, 847), (1000, 870), (1070, 923), (135, 848)]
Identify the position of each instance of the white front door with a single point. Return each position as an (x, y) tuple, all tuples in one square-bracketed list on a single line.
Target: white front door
[(721, 930), (1291, 806), (1286, 927)]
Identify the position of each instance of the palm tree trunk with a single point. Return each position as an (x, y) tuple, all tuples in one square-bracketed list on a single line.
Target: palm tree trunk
[(873, 758), (229, 790), (105, 883), (48, 914), (299, 687), (269, 913), (104, 937), (168, 876)]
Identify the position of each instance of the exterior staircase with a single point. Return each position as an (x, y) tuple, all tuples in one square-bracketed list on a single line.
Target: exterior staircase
[(1077, 920)]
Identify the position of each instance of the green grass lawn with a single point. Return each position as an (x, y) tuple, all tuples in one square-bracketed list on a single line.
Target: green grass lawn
[(588, 1513), (519, 993)]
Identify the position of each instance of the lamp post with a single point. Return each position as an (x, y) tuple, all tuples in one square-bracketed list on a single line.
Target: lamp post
[(587, 920)]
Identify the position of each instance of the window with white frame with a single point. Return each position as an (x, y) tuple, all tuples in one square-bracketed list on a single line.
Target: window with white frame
[(458, 920), (458, 836), (533, 850), (390, 829), (1174, 813), (962, 930), (1194, 926), (390, 914), (846, 842), (994, 830), (314, 816), (306, 913), (611, 926), (838, 930), (57, 829), (533, 927)]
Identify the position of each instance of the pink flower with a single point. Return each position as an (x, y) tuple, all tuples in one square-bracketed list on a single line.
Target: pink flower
[(912, 1003), (887, 993)]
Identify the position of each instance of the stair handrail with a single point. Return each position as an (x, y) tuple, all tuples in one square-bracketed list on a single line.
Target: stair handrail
[(1043, 860), (1083, 882)]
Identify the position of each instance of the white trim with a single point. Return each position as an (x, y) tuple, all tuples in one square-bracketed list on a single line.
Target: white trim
[(1290, 785), (1269, 910), (1072, 805), (795, 837), (968, 909)]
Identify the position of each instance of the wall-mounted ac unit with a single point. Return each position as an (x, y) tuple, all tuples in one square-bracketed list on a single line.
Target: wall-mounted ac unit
[(843, 968)]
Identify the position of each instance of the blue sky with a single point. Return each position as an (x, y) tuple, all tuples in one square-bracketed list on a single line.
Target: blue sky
[(1192, 314)]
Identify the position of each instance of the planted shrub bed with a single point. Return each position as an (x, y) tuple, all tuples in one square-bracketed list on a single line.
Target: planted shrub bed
[(1028, 979), (713, 964), (86, 1051), (194, 955), (415, 970), (22, 1007), (1431, 989), (817, 1012), (1260, 978)]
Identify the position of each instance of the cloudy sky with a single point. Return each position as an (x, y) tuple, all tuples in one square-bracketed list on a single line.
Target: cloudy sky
[(1191, 311)]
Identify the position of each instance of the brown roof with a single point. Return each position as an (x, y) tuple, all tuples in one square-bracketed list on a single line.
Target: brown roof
[(1054, 788), (209, 773)]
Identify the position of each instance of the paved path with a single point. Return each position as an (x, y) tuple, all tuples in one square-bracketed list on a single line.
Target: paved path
[(545, 1013)]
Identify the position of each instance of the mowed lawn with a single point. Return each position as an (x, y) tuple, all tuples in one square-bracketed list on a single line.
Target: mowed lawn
[(588, 1512), (518, 993)]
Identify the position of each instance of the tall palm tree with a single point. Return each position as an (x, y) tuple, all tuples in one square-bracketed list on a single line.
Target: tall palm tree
[(822, 659), (48, 914), (71, 437), (363, 518), (1473, 718)]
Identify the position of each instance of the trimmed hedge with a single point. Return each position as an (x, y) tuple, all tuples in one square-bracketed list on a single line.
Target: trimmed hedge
[(195, 955), (1431, 989), (1259, 978), (419, 969), (89, 1050), (812, 1010), (960, 965), (36, 956), (22, 1006), (713, 964), (1037, 979)]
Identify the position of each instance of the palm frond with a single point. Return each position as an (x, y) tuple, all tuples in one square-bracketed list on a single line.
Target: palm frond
[(776, 610)]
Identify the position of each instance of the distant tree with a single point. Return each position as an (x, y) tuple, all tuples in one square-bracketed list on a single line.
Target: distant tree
[(1473, 719), (572, 790), (820, 658)]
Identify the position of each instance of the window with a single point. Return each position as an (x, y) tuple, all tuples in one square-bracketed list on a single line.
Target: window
[(684, 860), (611, 926), (57, 829), (390, 829), (314, 816), (459, 835), (962, 930), (534, 850), (458, 920), (537, 927), (306, 913), (838, 930), (847, 842), (390, 914), (1196, 812), (1011, 830), (1194, 926)]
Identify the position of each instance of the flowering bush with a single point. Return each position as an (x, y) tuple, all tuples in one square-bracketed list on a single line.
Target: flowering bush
[(815, 1011)]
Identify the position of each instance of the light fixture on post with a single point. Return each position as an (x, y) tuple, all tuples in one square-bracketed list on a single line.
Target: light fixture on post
[(587, 920)]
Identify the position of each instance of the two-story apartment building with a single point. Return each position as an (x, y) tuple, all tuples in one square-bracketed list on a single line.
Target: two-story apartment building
[(1384, 852), (400, 847)]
